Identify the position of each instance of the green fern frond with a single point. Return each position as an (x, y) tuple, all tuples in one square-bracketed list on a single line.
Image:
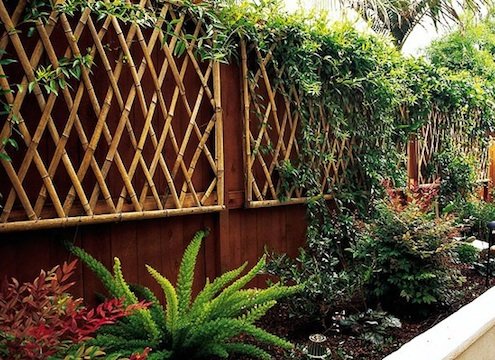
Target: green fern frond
[(129, 296), (220, 330), (125, 346), (266, 337), (98, 268), (210, 290), (243, 281), (214, 331), (160, 355), (156, 308), (274, 292), (247, 349), (171, 297), (257, 312), (186, 273), (218, 304)]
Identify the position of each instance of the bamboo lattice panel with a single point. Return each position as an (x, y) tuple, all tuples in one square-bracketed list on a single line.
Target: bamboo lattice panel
[(434, 137), (138, 136), (272, 135)]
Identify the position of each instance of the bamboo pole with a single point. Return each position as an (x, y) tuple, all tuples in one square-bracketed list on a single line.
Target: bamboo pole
[(273, 203), (167, 129), (219, 134), (248, 173), (101, 125), (104, 218)]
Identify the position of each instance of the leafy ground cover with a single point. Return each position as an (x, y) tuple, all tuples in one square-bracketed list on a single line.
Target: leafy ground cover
[(346, 345)]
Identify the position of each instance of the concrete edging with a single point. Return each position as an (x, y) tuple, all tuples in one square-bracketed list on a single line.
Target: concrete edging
[(450, 338)]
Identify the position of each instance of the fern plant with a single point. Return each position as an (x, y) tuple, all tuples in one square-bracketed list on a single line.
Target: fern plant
[(188, 328)]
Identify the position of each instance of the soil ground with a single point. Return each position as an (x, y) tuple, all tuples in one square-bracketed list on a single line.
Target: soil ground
[(347, 346)]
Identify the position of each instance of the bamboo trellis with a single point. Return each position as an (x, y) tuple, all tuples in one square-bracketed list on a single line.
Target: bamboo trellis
[(433, 138), (272, 125), (125, 142)]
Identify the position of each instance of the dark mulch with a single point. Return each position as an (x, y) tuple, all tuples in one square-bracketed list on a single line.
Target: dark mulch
[(349, 346)]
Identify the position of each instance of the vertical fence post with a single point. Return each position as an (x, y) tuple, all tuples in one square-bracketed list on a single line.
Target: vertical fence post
[(491, 170), (412, 162)]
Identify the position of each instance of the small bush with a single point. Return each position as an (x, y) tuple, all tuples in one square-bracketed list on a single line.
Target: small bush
[(320, 267), (458, 178), (373, 325), (473, 216), (406, 256), (190, 328), (467, 253)]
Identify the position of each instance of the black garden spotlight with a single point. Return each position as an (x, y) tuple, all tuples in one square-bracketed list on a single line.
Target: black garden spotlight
[(491, 229)]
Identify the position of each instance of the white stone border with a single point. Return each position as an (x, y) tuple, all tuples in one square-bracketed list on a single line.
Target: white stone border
[(454, 335)]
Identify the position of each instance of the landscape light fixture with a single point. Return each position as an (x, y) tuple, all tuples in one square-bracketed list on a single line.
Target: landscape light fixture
[(316, 349), (491, 229)]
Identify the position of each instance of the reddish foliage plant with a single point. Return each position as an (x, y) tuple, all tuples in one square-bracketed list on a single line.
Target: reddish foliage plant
[(142, 356), (420, 195), (39, 319)]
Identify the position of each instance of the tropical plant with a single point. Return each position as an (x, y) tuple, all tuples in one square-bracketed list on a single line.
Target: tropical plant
[(40, 320), (470, 48), (398, 17), (190, 328)]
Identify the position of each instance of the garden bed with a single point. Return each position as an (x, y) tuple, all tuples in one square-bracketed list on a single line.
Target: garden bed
[(348, 346)]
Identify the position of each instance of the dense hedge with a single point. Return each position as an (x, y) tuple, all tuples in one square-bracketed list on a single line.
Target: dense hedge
[(372, 91)]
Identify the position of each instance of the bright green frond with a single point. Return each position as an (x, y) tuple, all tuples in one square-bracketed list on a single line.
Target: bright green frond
[(210, 290), (129, 296), (257, 312), (98, 268), (170, 296), (247, 349), (156, 308), (186, 273), (266, 337)]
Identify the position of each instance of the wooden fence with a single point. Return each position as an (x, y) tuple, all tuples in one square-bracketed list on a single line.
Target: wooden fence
[(272, 126), (148, 133), (437, 135)]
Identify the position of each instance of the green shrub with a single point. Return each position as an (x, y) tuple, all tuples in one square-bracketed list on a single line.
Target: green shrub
[(467, 253), (406, 257), (458, 178), (320, 266), (473, 216), (190, 328)]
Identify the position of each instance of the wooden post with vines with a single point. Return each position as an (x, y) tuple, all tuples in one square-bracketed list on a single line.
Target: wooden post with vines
[(491, 169), (412, 162)]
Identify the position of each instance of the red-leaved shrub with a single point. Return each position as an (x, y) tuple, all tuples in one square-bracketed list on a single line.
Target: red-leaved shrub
[(39, 319), (422, 196)]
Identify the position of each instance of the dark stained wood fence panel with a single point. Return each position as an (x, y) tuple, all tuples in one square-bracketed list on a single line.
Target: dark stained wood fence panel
[(159, 243)]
